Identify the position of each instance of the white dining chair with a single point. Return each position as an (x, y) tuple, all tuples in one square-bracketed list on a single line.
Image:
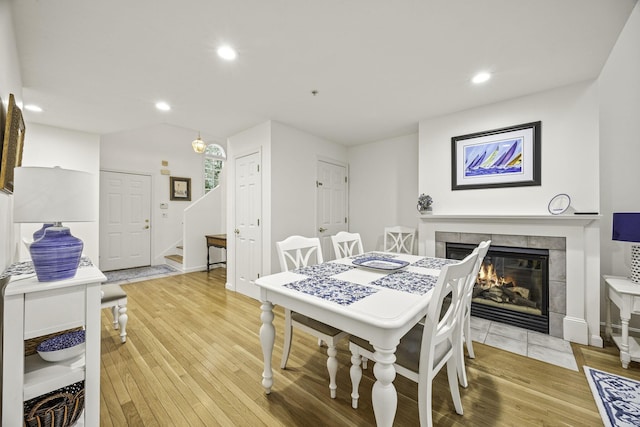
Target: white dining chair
[(346, 244), (399, 239), (429, 345), (295, 252), (482, 249), (115, 298)]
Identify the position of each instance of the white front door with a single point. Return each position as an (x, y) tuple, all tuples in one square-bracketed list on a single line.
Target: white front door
[(332, 204), (125, 213), (248, 235)]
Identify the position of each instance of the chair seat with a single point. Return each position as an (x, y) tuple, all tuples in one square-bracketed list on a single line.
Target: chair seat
[(312, 323), (112, 293), (408, 352)]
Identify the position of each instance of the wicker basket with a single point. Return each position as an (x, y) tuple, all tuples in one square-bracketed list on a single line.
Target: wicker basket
[(60, 408)]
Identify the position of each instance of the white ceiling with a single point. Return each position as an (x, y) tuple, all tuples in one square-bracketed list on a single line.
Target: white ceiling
[(379, 66)]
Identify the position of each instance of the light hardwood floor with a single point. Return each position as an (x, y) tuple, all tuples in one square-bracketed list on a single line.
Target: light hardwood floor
[(193, 358)]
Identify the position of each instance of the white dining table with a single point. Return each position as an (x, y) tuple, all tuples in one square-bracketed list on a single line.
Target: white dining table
[(380, 306)]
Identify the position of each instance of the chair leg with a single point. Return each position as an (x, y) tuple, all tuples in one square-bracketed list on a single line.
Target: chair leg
[(467, 335), (356, 375), (425, 392), (460, 365), (114, 312), (332, 367), (288, 331), (452, 374), (122, 320)]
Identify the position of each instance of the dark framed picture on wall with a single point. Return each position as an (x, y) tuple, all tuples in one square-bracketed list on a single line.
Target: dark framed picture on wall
[(12, 144), (506, 157), (180, 188)]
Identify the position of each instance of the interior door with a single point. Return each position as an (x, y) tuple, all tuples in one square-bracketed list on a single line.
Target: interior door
[(332, 204), (125, 212), (248, 235)]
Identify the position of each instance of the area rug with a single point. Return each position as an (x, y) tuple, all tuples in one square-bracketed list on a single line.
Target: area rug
[(135, 274), (617, 398)]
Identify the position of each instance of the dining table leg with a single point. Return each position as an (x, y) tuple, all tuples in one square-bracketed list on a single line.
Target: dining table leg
[(383, 395), (267, 339)]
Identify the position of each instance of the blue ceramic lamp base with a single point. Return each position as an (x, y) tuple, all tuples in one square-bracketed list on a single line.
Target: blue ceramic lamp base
[(56, 255)]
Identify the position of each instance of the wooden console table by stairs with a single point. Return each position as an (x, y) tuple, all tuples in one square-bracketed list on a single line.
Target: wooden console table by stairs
[(216, 241)]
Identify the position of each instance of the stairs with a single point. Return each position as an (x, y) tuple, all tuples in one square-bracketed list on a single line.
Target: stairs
[(175, 260)]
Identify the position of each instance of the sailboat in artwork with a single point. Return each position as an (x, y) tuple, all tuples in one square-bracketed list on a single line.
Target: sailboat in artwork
[(489, 162), (504, 160)]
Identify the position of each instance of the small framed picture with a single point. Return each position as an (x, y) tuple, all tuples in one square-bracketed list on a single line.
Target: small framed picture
[(180, 188)]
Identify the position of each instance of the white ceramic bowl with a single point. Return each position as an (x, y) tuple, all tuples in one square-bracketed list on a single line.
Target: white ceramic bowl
[(62, 347)]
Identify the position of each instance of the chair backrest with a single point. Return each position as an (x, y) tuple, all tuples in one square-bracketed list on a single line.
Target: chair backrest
[(482, 250), (346, 244), (399, 239), (298, 251), (445, 328)]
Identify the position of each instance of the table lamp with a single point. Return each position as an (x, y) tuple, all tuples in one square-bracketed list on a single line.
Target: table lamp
[(53, 196), (626, 228)]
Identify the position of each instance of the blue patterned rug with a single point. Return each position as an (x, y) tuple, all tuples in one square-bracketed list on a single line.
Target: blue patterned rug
[(617, 398), (138, 273)]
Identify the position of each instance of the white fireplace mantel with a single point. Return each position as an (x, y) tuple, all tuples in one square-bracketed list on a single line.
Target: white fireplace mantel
[(581, 323)]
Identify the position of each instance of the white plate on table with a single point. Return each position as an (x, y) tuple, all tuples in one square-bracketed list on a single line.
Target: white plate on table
[(383, 264)]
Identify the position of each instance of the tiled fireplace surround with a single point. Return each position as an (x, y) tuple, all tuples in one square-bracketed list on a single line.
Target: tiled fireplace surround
[(557, 264), (573, 244)]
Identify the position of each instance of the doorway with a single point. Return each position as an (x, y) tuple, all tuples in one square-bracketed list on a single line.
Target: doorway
[(125, 227), (331, 190)]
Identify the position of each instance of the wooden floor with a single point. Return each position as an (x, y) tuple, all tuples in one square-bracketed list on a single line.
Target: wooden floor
[(193, 358)]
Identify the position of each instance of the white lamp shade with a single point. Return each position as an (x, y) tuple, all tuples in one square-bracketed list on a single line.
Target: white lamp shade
[(53, 195)]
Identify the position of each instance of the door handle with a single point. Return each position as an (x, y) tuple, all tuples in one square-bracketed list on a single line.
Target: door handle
[(322, 229), (236, 231), (146, 227)]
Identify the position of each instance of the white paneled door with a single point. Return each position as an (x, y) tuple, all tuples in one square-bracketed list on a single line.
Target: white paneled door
[(332, 204), (125, 213), (248, 234)]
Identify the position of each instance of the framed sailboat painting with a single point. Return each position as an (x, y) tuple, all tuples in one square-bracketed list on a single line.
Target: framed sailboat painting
[(506, 157)]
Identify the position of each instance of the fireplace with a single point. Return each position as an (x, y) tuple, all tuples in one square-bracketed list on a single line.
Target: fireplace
[(512, 286)]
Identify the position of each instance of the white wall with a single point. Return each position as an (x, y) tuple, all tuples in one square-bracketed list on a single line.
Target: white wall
[(569, 149), (294, 162), (620, 141), (619, 147), (10, 82), (383, 187), (48, 146), (142, 151)]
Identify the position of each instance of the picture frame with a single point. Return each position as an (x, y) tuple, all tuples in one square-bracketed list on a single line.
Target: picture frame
[(505, 157), (179, 188), (12, 145)]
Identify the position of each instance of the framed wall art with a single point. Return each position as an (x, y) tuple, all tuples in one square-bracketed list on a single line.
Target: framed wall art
[(180, 188), (12, 145), (506, 157)]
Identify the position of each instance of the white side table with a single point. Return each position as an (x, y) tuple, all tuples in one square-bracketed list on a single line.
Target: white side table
[(626, 295), (32, 309)]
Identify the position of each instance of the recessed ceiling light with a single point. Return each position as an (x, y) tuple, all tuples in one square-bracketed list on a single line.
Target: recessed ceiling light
[(481, 77), (227, 52), (34, 108), (163, 106)]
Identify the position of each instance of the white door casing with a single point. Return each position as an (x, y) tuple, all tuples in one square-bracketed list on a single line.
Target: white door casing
[(248, 230), (332, 204), (125, 215)]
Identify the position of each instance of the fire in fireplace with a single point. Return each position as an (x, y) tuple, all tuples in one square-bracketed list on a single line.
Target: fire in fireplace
[(512, 285)]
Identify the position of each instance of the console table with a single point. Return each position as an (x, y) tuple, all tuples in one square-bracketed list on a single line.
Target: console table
[(32, 309), (216, 241), (626, 296)]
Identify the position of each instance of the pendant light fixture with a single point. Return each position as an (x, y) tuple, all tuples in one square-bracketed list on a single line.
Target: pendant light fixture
[(198, 145)]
